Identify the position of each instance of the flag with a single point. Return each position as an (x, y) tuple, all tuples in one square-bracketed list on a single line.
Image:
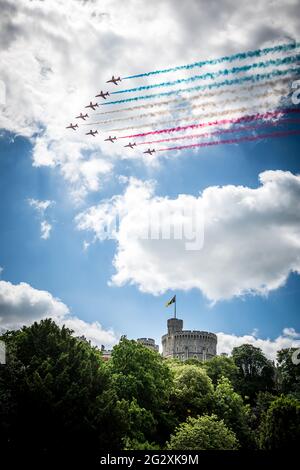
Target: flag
[(172, 301)]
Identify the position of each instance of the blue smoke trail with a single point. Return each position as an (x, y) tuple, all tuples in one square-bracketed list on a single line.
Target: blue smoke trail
[(229, 58), (212, 75), (235, 81)]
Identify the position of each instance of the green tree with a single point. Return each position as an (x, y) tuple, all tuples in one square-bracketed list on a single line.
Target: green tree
[(141, 374), (255, 372), (220, 366), (203, 433), (57, 394), (288, 376), (229, 406), (193, 391), (280, 427), (262, 403)]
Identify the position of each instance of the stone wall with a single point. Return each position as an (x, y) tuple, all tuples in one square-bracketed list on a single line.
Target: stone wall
[(148, 342), (187, 344)]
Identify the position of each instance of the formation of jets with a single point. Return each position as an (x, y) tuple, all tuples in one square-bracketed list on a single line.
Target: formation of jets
[(110, 139), (93, 133), (102, 95), (130, 145), (93, 106), (114, 80)]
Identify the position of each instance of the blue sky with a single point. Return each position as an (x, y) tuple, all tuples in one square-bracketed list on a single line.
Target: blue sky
[(41, 161), (80, 278)]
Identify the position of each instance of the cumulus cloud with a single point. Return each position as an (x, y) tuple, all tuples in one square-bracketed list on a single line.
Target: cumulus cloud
[(22, 304), (227, 342), (65, 50), (251, 237), (291, 333)]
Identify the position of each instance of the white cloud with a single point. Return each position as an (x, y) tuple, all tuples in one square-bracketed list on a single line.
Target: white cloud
[(21, 304), (291, 333), (45, 229), (41, 208), (65, 51), (251, 238), (269, 347)]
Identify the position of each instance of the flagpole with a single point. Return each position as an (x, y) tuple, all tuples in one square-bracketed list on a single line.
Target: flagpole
[(175, 308)]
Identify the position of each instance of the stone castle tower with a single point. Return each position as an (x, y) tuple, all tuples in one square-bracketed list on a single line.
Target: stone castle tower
[(188, 344)]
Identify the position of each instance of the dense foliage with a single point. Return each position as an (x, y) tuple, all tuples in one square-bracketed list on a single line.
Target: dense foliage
[(203, 433), (57, 395)]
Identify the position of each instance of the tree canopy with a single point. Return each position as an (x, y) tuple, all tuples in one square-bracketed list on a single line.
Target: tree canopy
[(221, 366), (203, 433), (288, 372), (255, 372), (55, 392), (192, 392), (58, 396), (280, 427)]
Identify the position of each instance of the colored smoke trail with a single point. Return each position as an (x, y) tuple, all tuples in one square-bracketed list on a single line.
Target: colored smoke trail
[(204, 105), (228, 58), (234, 141), (232, 130), (213, 75), (247, 118), (240, 110), (235, 81), (211, 94)]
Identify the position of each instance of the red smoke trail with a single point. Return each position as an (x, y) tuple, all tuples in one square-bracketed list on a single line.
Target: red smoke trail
[(223, 131), (246, 118), (234, 141)]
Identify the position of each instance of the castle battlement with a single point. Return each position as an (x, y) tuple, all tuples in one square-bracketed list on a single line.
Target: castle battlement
[(187, 344), (148, 343)]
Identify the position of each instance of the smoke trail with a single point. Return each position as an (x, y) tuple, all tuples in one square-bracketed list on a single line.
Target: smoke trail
[(213, 75), (247, 118), (242, 109), (231, 130), (235, 81), (197, 96), (230, 58), (234, 141), (189, 106)]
